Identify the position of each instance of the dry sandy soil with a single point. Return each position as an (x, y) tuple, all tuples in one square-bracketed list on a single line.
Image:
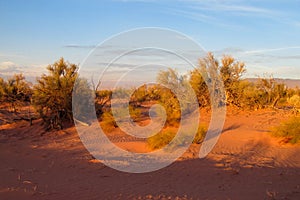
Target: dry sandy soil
[(246, 163)]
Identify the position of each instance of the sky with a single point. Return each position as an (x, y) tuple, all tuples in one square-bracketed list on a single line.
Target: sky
[(264, 34)]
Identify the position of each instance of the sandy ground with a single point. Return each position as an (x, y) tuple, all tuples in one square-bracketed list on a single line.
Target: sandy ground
[(246, 163)]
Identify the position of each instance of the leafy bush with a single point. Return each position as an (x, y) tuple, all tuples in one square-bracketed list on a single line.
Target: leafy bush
[(161, 139), (251, 97), (102, 100), (52, 95), (202, 129), (208, 71), (16, 90), (294, 101), (108, 123), (175, 95), (290, 130), (271, 91), (166, 136)]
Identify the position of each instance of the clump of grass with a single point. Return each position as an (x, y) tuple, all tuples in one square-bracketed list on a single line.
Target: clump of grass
[(164, 137), (289, 130)]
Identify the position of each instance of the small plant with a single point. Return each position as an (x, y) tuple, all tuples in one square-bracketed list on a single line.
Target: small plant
[(290, 130), (164, 137), (108, 123), (294, 101), (161, 139), (202, 129)]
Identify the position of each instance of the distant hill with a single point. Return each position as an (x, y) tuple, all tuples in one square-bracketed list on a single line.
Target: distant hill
[(290, 83)]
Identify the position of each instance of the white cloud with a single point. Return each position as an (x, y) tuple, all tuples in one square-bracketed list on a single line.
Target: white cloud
[(7, 65), (9, 68)]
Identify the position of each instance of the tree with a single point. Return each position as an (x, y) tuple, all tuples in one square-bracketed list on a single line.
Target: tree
[(53, 94)]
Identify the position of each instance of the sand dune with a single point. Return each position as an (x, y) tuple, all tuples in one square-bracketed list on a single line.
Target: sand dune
[(246, 163)]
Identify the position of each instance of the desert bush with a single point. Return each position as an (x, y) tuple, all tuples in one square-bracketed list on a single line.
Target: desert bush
[(169, 80), (198, 83), (161, 139), (294, 101), (2, 88), (164, 137), (139, 96), (175, 95), (108, 123), (122, 93), (135, 113), (202, 129), (289, 130), (102, 99), (52, 95), (207, 73), (251, 96), (231, 72), (271, 91), (16, 91), (171, 105)]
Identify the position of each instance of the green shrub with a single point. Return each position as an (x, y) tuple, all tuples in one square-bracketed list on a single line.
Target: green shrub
[(135, 113), (16, 91), (200, 134), (108, 122), (161, 139), (52, 96), (164, 137), (294, 101), (290, 130)]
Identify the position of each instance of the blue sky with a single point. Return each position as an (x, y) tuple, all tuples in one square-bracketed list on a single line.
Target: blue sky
[(264, 34)]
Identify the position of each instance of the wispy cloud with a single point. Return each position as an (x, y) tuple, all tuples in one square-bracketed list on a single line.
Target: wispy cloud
[(271, 50), (240, 51), (76, 46), (192, 15), (281, 62), (213, 11), (232, 8)]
